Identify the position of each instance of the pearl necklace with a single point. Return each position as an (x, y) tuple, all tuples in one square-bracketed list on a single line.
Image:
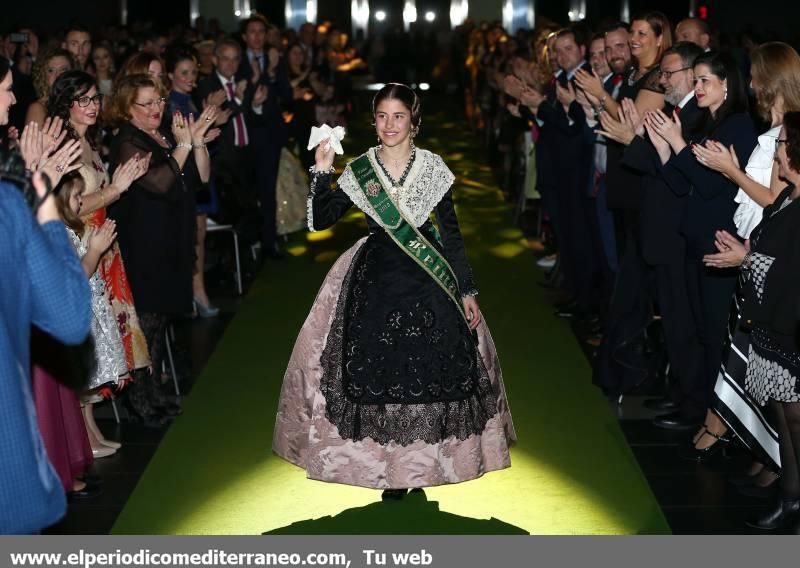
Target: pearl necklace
[(396, 184)]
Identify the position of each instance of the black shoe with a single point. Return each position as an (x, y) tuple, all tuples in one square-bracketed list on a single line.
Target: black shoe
[(393, 494), (676, 421), (718, 448), (780, 516), (665, 404)]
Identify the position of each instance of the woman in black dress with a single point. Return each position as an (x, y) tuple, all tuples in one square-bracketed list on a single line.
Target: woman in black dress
[(770, 266), (156, 219), (394, 382)]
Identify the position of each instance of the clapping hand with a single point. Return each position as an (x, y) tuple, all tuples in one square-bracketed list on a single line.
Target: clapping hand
[(260, 95), (590, 83), (182, 134), (513, 109), (512, 86), (620, 131), (531, 98), (37, 143), (199, 128), (100, 240), (216, 98), (731, 251), (668, 129), (66, 159), (632, 117), (566, 96), (717, 157), (130, 171)]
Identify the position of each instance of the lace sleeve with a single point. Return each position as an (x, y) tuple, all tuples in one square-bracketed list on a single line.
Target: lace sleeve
[(651, 81), (163, 171), (324, 206)]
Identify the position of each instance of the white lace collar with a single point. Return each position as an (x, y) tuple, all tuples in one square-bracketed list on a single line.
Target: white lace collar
[(427, 182)]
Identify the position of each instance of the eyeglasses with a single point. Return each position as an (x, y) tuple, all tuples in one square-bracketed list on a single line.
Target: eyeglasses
[(84, 102), (668, 74), (150, 104)]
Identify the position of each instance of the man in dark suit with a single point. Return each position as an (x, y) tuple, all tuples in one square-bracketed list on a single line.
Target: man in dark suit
[(664, 247), (232, 156), (563, 157), (267, 129)]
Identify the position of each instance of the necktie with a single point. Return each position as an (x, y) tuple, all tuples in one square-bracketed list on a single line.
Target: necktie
[(239, 130)]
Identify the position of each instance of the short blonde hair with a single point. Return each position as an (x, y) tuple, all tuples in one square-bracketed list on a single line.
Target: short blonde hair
[(775, 69), (125, 91)]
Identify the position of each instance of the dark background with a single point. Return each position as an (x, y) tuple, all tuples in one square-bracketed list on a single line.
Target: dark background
[(767, 18)]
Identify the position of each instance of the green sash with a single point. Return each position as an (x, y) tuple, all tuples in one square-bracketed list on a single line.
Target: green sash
[(407, 237)]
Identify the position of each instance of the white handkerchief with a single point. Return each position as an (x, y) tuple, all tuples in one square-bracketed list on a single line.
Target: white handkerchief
[(324, 132)]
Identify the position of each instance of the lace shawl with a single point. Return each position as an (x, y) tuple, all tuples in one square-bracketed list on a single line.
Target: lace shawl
[(426, 184)]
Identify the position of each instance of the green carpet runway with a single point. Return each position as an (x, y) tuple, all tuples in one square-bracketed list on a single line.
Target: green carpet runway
[(572, 471)]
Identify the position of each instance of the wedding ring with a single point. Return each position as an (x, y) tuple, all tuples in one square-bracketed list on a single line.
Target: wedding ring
[(208, 119)]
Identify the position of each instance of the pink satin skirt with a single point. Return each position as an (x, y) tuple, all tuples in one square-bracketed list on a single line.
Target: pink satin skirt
[(304, 437)]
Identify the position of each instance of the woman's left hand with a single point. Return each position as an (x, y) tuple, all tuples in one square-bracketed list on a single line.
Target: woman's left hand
[(717, 157), (199, 127), (731, 252), (472, 311)]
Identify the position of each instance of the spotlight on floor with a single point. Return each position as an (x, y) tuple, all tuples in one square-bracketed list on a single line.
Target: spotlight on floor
[(380, 15), (430, 15)]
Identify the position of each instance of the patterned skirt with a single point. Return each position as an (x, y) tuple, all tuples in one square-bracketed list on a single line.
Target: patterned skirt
[(733, 396), (112, 270), (393, 395)]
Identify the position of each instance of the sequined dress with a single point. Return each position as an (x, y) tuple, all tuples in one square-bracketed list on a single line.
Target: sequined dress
[(111, 364), (387, 387)]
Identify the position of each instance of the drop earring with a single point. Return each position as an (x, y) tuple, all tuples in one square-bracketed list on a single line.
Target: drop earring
[(725, 95)]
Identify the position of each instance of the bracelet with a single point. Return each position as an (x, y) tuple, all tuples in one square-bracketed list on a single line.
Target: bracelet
[(196, 146), (313, 169), (183, 145)]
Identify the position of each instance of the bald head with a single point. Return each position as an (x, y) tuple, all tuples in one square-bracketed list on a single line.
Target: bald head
[(694, 30)]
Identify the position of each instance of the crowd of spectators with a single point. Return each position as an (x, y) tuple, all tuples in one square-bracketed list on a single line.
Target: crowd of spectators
[(661, 159), (148, 140)]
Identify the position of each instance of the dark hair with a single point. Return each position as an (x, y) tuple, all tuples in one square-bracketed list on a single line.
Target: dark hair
[(724, 67), (687, 51), (576, 34), (614, 26), (74, 27), (254, 19), (179, 53), (791, 125), (70, 86), (405, 95), (5, 68)]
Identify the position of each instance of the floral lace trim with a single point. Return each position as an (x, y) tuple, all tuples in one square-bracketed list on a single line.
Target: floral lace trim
[(400, 423), (426, 185), (317, 176)]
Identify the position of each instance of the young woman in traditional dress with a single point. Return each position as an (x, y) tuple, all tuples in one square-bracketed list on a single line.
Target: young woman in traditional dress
[(394, 382)]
